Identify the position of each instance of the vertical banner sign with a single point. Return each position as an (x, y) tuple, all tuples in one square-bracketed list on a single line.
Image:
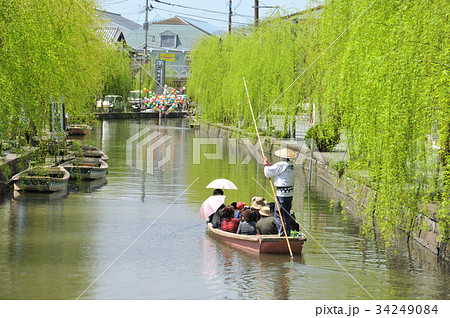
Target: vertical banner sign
[(160, 76)]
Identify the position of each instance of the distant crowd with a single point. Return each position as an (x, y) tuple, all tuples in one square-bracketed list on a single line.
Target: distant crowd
[(254, 219)]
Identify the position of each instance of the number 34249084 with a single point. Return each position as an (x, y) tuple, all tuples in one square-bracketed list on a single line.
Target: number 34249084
[(407, 309)]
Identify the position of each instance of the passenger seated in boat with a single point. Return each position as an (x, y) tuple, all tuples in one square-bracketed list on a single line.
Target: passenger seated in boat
[(266, 225), (217, 216), (271, 205), (248, 224), (229, 223), (257, 204), (239, 208)]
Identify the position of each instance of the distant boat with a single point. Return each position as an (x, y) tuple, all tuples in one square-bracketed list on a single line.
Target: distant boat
[(86, 168), (78, 129), (258, 243), (42, 179)]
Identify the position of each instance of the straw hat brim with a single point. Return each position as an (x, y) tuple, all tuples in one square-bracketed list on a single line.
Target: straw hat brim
[(285, 153), (264, 212)]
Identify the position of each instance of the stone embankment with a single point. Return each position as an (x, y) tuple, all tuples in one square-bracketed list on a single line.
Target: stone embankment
[(350, 190)]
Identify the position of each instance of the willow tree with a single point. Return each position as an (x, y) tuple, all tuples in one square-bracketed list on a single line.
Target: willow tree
[(270, 60), (383, 68), (379, 69), (49, 49)]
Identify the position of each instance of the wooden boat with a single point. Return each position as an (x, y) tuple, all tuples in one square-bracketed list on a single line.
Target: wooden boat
[(86, 168), (79, 129), (89, 151), (258, 243), (42, 179)]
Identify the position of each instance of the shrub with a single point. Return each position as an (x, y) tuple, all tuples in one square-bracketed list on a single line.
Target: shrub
[(340, 167), (325, 135)]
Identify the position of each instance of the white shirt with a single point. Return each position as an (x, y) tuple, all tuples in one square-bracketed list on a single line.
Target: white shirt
[(283, 173)]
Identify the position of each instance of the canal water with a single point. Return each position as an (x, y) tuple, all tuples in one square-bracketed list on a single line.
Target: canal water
[(137, 234)]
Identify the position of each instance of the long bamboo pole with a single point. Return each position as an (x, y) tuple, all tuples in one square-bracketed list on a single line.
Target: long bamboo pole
[(270, 180)]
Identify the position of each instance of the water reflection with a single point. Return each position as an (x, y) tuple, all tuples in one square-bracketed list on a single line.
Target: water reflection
[(86, 186), (40, 196), (54, 248)]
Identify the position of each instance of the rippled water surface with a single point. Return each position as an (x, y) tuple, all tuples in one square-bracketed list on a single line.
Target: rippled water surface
[(137, 235)]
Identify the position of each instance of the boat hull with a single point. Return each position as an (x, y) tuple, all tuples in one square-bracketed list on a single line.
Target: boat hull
[(31, 181), (258, 243), (86, 168), (93, 152), (78, 130)]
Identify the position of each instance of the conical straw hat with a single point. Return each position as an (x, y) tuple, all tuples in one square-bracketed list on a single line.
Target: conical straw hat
[(285, 153)]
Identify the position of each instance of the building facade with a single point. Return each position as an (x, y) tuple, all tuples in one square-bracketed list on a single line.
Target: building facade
[(170, 40)]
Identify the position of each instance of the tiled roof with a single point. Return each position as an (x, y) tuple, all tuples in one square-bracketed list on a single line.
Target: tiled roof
[(188, 31), (116, 20), (110, 34), (172, 21)]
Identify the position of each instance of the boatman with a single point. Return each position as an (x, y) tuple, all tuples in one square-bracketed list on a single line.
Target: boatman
[(283, 173)]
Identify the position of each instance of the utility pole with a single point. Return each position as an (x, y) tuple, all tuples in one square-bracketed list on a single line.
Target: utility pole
[(256, 13), (229, 18), (145, 54), (146, 31)]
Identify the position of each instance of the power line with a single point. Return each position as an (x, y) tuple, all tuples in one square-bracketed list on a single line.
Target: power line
[(102, 27), (186, 7), (243, 16), (115, 2), (197, 16)]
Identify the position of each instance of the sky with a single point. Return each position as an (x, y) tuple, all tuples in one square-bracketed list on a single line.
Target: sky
[(215, 12)]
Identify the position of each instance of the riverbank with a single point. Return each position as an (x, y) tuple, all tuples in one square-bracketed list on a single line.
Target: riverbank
[(352, 191)]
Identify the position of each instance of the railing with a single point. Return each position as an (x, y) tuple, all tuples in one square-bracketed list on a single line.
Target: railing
[(177, 71), (172, 71)]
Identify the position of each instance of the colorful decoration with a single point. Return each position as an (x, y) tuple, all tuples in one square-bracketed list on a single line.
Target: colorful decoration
[(166, 103)]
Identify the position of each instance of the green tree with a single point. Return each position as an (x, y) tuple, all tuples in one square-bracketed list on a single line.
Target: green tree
[(50, 49)]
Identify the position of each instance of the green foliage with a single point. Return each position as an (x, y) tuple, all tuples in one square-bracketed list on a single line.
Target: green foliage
[(281, 134), (340, 167), (50, 49), (118, 76), (146, 76), (385, 78), (269, 59), (378, 69), (325, 135)]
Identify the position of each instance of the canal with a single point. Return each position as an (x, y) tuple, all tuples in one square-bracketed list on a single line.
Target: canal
[(137, 234)]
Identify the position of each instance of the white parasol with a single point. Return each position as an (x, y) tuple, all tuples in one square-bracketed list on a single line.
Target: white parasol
[(222, 184)]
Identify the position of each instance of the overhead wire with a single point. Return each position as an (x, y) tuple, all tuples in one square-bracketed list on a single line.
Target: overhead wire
[(191, 8), (102, 27), (115, 2), (197, 16)]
